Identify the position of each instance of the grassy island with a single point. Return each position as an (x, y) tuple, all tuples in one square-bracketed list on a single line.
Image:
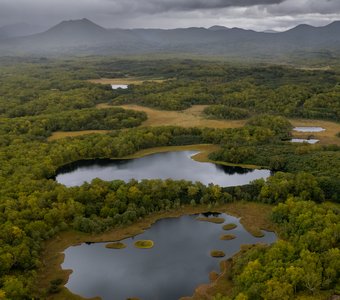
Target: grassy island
[(116, 245), (229, 226), (217, 253), (144, 244), (215, 220), (227, 237)]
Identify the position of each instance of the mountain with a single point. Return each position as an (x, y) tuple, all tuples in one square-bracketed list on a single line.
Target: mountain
[(85, 37), (73, 36), (83, 28)]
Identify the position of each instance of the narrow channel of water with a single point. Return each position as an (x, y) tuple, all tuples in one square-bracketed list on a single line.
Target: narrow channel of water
[(179, 261)]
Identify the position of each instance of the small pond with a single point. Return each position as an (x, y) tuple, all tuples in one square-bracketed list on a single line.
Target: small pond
[(176, 165), (309, 129), (119, 86), (309, 141), (179, 261)]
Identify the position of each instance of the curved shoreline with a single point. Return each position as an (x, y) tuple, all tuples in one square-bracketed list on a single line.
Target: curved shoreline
[(254, 217), (202, 156)]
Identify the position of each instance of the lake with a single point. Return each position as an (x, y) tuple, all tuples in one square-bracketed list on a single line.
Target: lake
[(179, 261), (175, 165)]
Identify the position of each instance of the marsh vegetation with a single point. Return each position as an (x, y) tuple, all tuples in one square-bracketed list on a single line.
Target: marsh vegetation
[(229, 226), (116, 245), (144, 244)]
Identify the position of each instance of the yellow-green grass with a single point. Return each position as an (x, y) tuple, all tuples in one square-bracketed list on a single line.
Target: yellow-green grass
[(217, 253), (229, 226), (191, 117), (116, 245), (125, 80), (249, 213), (187, 118), (227, 237), (323, 68), (215, 220), (326, 137), (254, 217), (57, 135), (144, 244)]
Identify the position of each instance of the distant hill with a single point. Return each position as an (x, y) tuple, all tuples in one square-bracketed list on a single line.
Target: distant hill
[(217, 28), (84, 36)]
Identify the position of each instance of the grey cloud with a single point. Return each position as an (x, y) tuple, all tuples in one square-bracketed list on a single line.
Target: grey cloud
[(255, 14), (303, 7), (153, 6)]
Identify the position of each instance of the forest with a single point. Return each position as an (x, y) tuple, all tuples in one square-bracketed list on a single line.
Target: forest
[(39, 96)]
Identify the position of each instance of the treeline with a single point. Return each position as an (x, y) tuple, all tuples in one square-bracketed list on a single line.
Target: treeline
[(42, 126), (321, 161), (226, 113)]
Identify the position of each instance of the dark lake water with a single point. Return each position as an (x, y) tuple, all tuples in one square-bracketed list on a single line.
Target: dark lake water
[(179, 261), (175, 165)]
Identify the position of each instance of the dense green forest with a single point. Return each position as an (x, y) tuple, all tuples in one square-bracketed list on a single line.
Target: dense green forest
[(39, 96), (306, 259), (226, 112)]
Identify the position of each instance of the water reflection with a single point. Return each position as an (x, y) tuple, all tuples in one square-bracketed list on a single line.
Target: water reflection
[(174, 165)]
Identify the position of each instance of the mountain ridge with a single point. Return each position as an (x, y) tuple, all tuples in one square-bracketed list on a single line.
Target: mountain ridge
[(85, 36)]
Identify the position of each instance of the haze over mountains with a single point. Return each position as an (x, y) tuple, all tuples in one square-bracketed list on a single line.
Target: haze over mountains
[(85, 37), (19, 29)]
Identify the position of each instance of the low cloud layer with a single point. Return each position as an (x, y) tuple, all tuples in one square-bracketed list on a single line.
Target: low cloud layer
[(251, 14)]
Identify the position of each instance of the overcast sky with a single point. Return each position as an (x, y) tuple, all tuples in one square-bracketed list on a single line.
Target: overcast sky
[(251, 14)]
